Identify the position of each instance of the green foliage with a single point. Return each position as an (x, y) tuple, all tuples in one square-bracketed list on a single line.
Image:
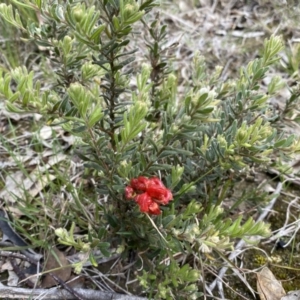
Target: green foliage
[(293, 59), (181, 279), (195, 142), (81, 244)]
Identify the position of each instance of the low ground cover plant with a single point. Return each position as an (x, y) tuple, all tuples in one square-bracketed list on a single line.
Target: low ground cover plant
[(162, 160)]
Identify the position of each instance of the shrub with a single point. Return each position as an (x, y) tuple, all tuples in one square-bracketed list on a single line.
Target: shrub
[(175, 155)]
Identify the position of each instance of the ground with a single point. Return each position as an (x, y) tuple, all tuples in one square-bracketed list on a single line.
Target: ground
[(228, 33)]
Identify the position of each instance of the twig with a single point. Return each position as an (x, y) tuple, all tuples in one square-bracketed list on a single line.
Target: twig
[(287, 177), (242, 243), (66, 287), (16, 255), (56, 293)]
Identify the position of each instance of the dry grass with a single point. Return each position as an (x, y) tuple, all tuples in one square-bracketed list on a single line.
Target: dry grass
[(40, 175)]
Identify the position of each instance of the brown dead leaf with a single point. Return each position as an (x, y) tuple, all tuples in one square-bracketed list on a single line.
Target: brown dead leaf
[(268, 287), (58, 261)]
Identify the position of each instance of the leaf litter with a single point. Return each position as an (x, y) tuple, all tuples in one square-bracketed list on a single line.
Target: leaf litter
[(226, 32)]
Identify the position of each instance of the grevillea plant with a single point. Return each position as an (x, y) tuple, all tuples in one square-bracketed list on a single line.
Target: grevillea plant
[(163, 161)]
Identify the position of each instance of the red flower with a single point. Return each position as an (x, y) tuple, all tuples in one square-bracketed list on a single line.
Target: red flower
[(148, 194), (143, 200), (160, 195), (129, 192), (147, 205), (154, 209), (139, 183)]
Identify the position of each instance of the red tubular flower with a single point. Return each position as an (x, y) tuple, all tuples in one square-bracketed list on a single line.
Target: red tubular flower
[(154, 209), (148, 193), (129, 192), (156, 181), (147, 205), (143, 200), (160, 195), (139, 183)]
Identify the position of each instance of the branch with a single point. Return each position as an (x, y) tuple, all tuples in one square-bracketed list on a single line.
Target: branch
[(57, 293)]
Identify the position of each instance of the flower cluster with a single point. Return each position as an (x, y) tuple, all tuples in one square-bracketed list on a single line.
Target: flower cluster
[(148, 193)]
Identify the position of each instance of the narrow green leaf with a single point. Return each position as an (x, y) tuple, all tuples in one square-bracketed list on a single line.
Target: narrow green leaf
[(97, 33), (95, 117)]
